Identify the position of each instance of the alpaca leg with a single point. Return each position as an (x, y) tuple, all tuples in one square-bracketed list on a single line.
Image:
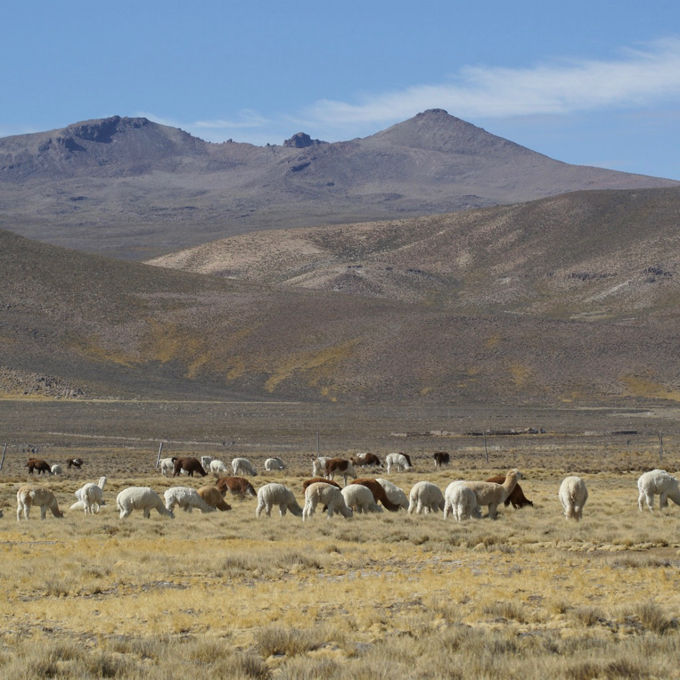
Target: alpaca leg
[(43, 511), (447, 509), (641, 497), (147, 513), (492, 510), (663, 501), (282, 509), (259, 509)]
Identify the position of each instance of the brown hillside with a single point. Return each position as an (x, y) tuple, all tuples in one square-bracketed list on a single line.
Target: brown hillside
[(103, 327), (598, 254)]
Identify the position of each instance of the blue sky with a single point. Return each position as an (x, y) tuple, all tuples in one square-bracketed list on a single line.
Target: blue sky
[(592, 82)]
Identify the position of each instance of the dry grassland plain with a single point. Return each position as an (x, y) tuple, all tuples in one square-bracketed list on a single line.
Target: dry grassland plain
[(379, 596)]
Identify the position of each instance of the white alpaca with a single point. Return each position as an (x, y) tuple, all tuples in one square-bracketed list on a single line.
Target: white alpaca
[(217, 466), (166, 466), (274, 464), (186, 498), (56, 469), (398, 461), (573, 496), (425, 497), (393, 492), (273, 494), (242, 466), (319, 466), (360, 498), (491, 494), (89, 497), (461, 501), (327, 495), (140, 498), (658, 482), (36, 495)]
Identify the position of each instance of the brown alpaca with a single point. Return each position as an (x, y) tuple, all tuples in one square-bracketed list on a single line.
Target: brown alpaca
[(516, 497), (313, 480), (237, 486), (213, 496), (190, 465), (363, 459), (378, 493), (38, 464)]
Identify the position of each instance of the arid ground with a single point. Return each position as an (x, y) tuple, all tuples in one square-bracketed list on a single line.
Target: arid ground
[(385, 595)]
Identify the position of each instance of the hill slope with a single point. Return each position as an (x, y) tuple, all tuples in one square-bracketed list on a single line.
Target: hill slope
[(90, 326), (604, 254), (134, 189)]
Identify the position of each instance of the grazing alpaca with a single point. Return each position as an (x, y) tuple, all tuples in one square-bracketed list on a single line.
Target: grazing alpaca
[(379, 493), (365, 459), (242, 466), (42, 466), (360, 498), (140, 498), (340, 466), (90, 497), (319, 465), (186, 498), (237, 486), (441, 458), (516, 497), (273, 494), (657, 482), (329, 496), (461, 501), (425, 497), (56, 469), (398, 461), (28, 496), (75, 462), (274, 464), (189, 465), (573, 496), (217, 466), (213, 497), (491, 494), (166, 465), (313, 480), (395, 495)]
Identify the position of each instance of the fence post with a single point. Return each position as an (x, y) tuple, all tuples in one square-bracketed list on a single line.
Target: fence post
[(4, 451), (158, 458), (660, 447)]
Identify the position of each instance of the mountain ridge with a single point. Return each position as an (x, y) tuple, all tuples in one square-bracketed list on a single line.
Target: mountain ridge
[(134, 189)]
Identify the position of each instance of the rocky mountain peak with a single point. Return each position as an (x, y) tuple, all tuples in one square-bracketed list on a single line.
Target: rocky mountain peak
[(301, 140)]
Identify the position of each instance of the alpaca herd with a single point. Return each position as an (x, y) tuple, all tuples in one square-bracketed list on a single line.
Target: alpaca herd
[(461, 499)]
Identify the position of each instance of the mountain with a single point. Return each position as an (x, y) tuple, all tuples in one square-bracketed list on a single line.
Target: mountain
[(567, 299), (134, 189)]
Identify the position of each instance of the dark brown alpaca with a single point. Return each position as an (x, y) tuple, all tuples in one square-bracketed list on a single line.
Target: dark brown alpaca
[(378, 493), (516, 497), (190, 465), (38, 464), (363, 459)]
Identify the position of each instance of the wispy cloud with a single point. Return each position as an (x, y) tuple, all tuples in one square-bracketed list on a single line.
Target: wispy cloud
[(639, 77)]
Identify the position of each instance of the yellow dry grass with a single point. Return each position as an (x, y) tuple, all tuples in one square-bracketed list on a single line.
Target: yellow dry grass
[(384, 595)]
